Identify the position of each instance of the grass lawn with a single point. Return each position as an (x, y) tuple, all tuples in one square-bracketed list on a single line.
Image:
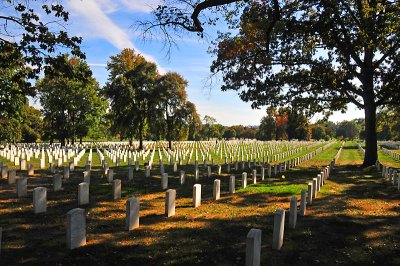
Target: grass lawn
[(388, 160), (350, 155), (353, 221)]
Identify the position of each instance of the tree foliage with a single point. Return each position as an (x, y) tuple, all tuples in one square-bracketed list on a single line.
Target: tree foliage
[(13, 83), (194, 121), (347, 130), (282, 124), (130, 88), (388, 123), (32, 126), (28, 128), (170, 96), (36, 30), (70, 99)]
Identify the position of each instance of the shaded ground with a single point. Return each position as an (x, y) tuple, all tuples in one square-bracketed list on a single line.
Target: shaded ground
[(354, 220)]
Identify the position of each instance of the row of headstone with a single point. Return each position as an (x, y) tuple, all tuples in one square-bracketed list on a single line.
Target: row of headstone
[(338, 154), (253, 239), (391, 153), (360, 148), (392, 175), (178, 156)]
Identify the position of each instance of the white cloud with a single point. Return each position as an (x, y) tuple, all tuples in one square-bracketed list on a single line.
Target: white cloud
[(96, 24), (100, 24), (145, 6)]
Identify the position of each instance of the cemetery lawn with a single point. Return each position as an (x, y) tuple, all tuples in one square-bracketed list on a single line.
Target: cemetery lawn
[(388, 160), (353, 221)]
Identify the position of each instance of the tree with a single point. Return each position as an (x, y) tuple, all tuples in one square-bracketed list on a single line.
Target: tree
[(194, 121), (229, 133), (10, 130), (209, 126), (267, 129), (13, 83), (318, 132), (330, 128), (348, 130), (32, 125), (170, 96), (217, 130), (239, 130), (297, 124), (325, 54), (249, 133), (130, 85), (70, 99), (281, 124), (36, 31), (388, 123), (102, 129)]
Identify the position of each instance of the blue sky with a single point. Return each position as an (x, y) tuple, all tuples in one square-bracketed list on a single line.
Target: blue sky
[(106, 28)]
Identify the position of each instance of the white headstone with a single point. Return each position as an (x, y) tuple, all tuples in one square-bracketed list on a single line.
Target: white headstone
[(23, 164), (217, 189), (293, 212), (170, 196), (66, 172), (164, 181), (39, 200), (57, 182), (116, 189), (303, 203), (86, 177), (310, 194), (232, 184), (110, 175), (244, 180), (83, 193), (11, 177), (132, 213), (22, 187), (182, 177), (253, 247), (76, 228), (279, 228), (196, 195), (31, 170)]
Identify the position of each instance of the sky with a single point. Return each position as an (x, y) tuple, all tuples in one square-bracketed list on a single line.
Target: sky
[(108, 26)]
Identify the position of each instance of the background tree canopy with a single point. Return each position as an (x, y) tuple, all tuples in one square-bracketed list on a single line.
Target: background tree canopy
[(70, 99)]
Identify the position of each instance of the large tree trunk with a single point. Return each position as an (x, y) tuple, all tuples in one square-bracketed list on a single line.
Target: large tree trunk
[(140, 128), (371, 149), (141, 143), (62, 141)]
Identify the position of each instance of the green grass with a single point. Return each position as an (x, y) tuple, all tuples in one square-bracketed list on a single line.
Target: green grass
[(388, 160), (350, 155), (282, 189)]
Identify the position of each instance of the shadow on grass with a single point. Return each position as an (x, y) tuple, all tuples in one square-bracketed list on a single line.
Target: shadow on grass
[(206, 236)]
